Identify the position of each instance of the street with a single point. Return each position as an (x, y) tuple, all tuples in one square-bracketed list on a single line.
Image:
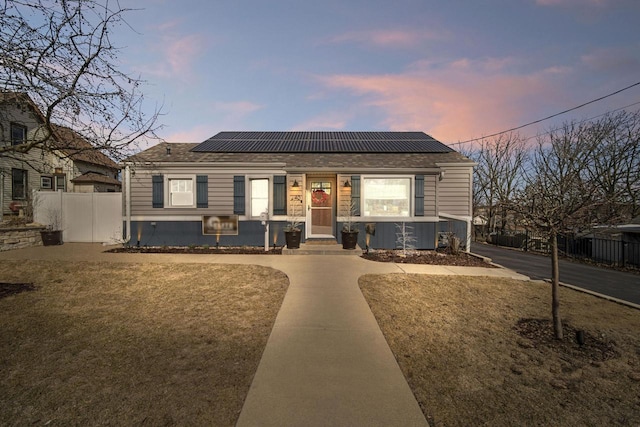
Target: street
[(617, 284)]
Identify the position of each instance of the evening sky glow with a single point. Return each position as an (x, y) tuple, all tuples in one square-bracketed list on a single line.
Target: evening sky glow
[(455, 70)]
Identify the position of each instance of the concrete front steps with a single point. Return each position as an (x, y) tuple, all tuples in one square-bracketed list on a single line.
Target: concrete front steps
[(321, 247)]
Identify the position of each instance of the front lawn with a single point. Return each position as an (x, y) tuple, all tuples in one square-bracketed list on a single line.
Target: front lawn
[(479, 351), (132, 344)]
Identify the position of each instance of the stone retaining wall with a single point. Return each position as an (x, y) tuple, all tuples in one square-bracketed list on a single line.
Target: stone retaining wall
[(20, 237)]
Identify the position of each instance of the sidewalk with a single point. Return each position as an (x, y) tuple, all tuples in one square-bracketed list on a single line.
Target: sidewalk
[(326, 361)]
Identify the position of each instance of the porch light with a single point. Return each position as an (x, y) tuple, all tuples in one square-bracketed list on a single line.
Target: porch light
[(347, 184), (295, 184)]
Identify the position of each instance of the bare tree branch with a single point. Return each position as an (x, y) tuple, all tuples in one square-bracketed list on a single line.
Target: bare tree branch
[(59, 54)]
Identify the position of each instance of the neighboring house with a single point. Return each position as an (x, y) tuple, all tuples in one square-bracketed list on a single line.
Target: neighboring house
[(69, 163), (172, 189)]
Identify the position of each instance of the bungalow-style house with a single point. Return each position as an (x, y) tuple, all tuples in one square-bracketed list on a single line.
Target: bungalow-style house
[(242, 188), (69, 163)]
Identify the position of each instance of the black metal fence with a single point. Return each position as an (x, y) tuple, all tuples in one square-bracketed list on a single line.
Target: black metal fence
[(611, 252)]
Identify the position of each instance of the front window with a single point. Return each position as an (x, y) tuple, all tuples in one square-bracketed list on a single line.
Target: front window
[(386, 196), (46, 183), (18, 184), (61, 182), (181, 192), (18, 134), (259, 196)]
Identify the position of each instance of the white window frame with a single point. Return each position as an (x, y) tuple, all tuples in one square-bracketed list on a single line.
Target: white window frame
[(410, 196), (250, 180), (167, 191), (45, 178)]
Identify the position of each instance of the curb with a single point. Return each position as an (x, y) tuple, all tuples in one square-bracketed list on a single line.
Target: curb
[(597, 294)]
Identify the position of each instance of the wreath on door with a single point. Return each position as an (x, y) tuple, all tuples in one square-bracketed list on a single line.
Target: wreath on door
[(319, 197)]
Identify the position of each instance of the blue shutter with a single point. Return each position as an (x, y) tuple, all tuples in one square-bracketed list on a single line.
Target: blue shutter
[(280, 195), (355, 194), (202, 191), (157, 184), (238, 195), (419, 195)]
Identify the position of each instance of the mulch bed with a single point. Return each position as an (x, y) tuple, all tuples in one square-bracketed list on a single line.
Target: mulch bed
[(539, 334), (246, 250), (7, 289), (415, 257), (427, 257)]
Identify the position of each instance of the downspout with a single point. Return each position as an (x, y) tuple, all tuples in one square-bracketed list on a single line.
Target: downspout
[(127, 202)]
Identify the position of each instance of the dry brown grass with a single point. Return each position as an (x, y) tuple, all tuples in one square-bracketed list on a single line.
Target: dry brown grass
[(456, 342), (132, 344)]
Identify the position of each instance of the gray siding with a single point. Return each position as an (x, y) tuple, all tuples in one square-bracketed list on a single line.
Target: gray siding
[(220, 191), (454, 191), (295, 198)]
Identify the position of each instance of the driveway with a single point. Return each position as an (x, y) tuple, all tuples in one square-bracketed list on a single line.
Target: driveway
[(616, 284)]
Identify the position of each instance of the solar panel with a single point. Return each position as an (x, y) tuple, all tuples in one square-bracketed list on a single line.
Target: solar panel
[(322, 142)]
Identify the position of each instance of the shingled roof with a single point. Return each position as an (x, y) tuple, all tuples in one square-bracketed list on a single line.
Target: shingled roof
[(185, 153), (74, 146), (94, 177), (321, 142)]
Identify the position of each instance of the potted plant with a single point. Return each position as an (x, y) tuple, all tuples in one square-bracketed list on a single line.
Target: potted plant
[(292, 231), (350, 230), (53, 233)]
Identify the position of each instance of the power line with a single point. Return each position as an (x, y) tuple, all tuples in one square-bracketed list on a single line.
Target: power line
[(549, 117), (586, 120)]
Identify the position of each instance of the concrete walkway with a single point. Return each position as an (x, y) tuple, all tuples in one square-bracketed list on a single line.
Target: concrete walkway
[(326, 361)]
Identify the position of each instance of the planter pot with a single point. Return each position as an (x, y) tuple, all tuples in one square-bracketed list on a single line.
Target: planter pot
[(293, 239), (349, 239), (51, 238)]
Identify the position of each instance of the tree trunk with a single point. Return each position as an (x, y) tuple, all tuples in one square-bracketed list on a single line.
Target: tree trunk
[(555, 286)]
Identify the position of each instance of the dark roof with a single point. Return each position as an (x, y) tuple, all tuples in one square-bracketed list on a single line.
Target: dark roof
[(74, 146), (322, 142), (94, 177), (184, 153)]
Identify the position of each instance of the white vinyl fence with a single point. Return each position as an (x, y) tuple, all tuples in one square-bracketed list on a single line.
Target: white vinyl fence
[(82, 217)]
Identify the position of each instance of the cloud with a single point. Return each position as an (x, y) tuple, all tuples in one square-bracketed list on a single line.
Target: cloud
[(181, 53), (175, 52), (195, 122), (329, 121), (454, 101), (619, 61), (236, 108), (387, 38), (194, 134)]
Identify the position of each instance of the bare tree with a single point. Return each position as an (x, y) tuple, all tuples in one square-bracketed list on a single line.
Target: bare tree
[(557, 195), (614, 167), (59, 54), (498, 176)]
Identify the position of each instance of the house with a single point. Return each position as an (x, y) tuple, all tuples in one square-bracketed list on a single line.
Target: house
[(241, 188), (68, 163)]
